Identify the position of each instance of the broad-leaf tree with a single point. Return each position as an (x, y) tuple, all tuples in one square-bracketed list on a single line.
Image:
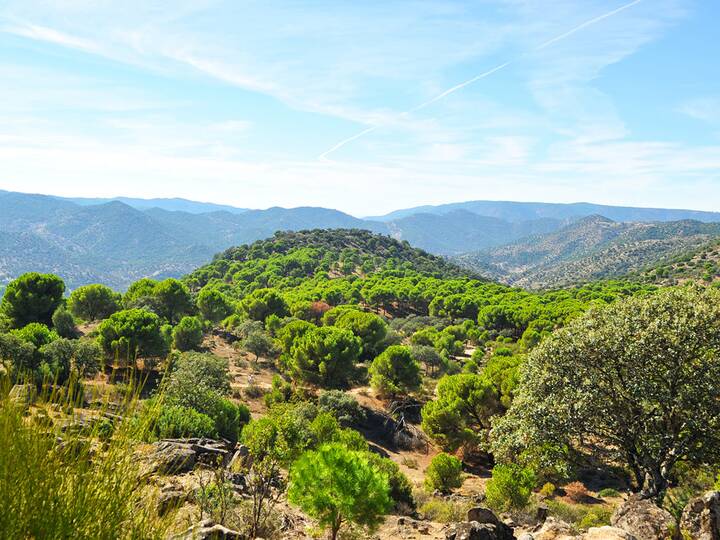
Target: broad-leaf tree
[(636, 381)]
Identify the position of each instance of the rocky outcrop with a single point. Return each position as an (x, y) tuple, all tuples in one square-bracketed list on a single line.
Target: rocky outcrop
[(170, 458), (209, 530), (554, 529), (701, 517), (606, 533), (472, 530), (481, 524), (644, 520)]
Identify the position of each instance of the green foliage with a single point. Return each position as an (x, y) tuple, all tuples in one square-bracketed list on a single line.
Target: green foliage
[(93, 302), (441, 510), (173, 300), (259, 344), (188, 334), (17, 355), (608, 492), (395, 371), (400, 488), (32, 298), (370, 328), (444, 473), (37, 334), (201, 382), (214, 306), (131, 334), (334, 486), (261, 303), (510, 486), (62, 356), (342, 405), (64, 323), (325, 355), (641, 362), (176, 421), (460, 415), (429, 357)]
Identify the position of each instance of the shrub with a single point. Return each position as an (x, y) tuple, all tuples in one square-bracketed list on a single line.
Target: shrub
[(608, 493), (510, 487), (548, 489), (342, 405), (188, 334), (400, 488), (445, 511), (72, 491), (576, 492), (177, 422), (444, 473), (64, 323)]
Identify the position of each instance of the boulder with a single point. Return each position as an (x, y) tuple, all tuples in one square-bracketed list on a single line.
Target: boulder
[(171, 458), (644, 520), (701, 517), (607, 533), (472, 530), (482, 515), (209, 530), (554, 529)]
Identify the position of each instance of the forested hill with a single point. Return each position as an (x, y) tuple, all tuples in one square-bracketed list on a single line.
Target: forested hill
[(288, 258), (701, 265), (589, 249)]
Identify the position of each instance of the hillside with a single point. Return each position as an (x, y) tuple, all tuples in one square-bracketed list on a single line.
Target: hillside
[(590, 249), (700, 265)]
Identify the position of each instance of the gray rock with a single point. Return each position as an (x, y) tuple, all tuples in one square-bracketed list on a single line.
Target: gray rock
[(526, 536), (472, 530), (607, 533), (482, 515), (208, 530), (644, 520), (171, 458), (701, 517), (170, 499), (554, 529)]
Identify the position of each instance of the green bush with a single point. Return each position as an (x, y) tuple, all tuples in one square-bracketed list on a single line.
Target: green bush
[(400, 488), (444, 473), (342, 405), (510, 487), (608, 492), (177, 422), (444, 511)]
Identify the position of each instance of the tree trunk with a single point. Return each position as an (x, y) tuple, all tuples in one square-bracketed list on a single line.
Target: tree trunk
[(655, 485)]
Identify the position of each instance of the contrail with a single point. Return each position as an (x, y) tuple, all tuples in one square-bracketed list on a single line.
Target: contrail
[(590, 22)]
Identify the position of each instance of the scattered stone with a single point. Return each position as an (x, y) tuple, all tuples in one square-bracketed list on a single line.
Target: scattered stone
[(701, 517), (644, 519), (607, 533), (209, 530), (526, 536)]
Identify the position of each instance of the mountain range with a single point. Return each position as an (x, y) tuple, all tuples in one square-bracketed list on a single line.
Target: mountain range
[(117, 241), (589, 249)]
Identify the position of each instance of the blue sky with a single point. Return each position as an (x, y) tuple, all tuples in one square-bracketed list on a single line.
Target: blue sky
[(362, 106)]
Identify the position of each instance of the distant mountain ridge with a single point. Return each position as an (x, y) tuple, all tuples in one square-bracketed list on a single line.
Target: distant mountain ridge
[(117, 242), (592, 248), (524, 211)]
